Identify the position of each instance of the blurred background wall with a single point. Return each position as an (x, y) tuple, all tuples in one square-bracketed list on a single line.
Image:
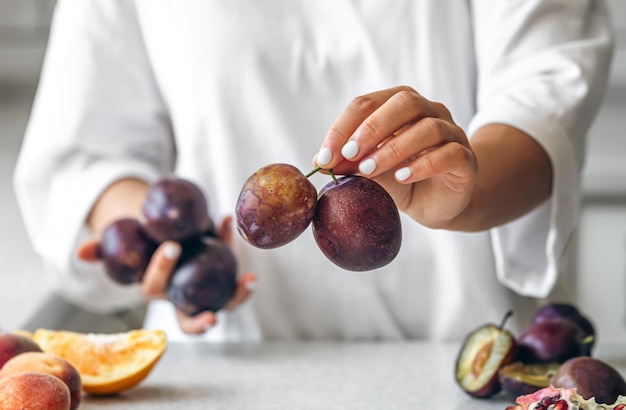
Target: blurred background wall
[(600, 260), (24, 28)]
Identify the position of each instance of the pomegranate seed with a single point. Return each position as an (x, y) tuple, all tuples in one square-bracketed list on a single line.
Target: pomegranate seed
[(620, 407), (547, 401), (560, 405)]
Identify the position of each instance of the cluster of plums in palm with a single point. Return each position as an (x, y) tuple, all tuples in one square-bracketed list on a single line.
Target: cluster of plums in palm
[(355, 222), (555, 349), (175, 209)]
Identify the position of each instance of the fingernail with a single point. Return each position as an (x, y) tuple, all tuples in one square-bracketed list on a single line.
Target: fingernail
[(368, 166), (171, 251), (250, 285), (403, 173), (350, 149), (324, 156)]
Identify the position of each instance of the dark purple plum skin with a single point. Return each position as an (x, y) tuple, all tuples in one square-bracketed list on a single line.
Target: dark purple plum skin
[(125, 250), (175, 209), (592, 378), (276, 204), (564, 311), (357, 224), (205, 277), (518, 379), (552, 341)]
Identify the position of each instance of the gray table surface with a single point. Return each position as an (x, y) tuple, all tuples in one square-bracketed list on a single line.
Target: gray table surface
[(308, 375)]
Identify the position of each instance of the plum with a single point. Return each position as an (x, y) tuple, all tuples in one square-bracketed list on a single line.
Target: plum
[(564, 311), (357, 224), (125, 250), (276, 204), (553, 341), (204, 278), (519, 378), (483, 353), (592, 378), (175, 209)]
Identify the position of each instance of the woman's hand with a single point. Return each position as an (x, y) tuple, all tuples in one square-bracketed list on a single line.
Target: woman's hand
[(411, 146), (154, 282)]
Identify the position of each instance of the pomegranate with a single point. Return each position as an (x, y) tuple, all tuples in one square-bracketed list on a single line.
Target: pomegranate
[(551, 398)]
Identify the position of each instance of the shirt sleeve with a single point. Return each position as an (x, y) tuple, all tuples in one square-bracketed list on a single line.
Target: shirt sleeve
[(97, 117), (542, 67)]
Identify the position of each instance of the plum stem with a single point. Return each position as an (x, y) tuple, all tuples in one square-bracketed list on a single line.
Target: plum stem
[(506, 317), (587, 344), (317, 169)]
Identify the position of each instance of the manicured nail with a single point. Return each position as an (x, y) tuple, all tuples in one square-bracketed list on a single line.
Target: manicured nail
[(171, 251), (368, 166), (324, 156), (350, 149), (403, 173), (250, 285)]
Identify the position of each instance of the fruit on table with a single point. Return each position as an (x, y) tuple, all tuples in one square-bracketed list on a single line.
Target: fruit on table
[(205, 277), (33, 391), (50, 364), (357, 224), (175, 209), (13, 344), (107, 363), (483, 353), (519, 378), (276, 204), (553, 341), (551, 398), (559, 311), (125, 250), (592, 378)]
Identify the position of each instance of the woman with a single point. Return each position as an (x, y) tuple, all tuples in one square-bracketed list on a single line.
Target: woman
[(471, 114)]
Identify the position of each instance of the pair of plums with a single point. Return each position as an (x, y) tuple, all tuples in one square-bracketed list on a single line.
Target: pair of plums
[(355, 221), (175, 209)]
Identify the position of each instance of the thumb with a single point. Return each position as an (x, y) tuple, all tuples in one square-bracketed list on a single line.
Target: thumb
[(89, 251)]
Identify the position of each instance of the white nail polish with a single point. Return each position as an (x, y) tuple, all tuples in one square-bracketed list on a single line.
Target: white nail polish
[(171, 251), (368, 166), (403, 174), (350, 150), (251, 285), (324, 156)]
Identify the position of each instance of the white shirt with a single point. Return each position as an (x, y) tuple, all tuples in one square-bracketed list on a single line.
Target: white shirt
[(213, 90)]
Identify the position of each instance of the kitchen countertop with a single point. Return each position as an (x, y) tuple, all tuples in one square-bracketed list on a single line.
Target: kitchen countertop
[(308, 375)]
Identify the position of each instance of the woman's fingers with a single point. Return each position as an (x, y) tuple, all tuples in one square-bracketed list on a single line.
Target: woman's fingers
[(245, 287), (89, 251), (225, 230), (399, 152), (161, 266), (203, 321), (197, 324), (335, 146), (370, 121)]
